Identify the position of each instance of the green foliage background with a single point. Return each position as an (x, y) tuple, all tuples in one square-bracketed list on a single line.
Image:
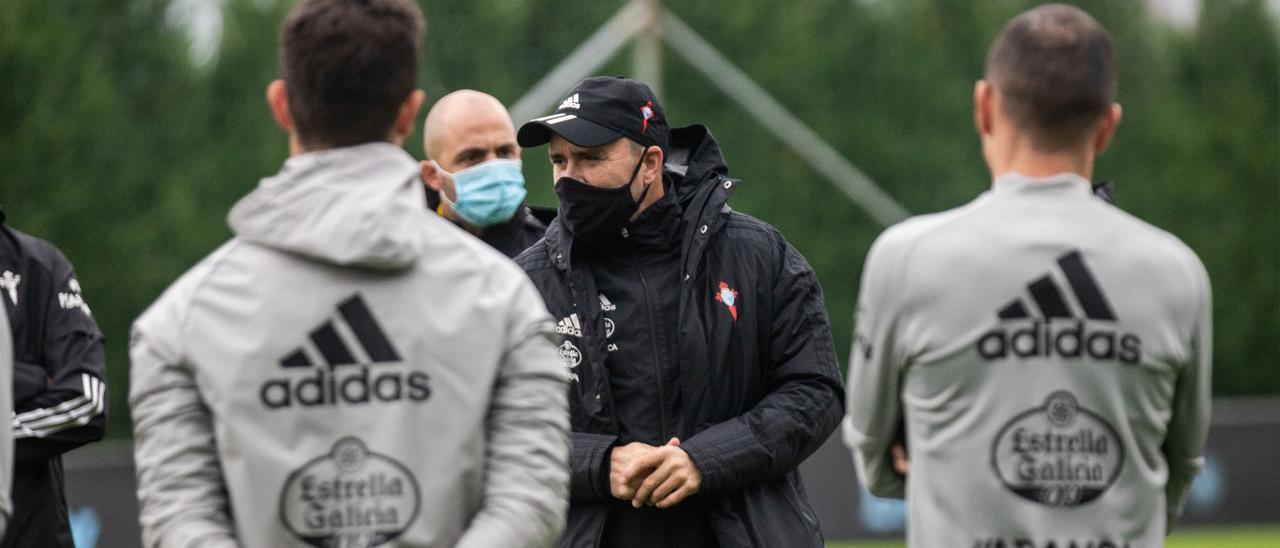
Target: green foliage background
[(119, 148)]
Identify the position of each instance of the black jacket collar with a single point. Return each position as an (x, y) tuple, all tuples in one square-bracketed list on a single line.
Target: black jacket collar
[(657, 227)]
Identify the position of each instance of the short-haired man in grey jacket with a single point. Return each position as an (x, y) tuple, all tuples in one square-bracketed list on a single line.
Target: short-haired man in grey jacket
[(350, 369), (1048, 353)]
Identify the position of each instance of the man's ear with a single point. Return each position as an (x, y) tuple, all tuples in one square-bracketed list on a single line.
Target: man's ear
[(653, 160), (1106, 129), (403, 127), (278, 100), (431, 175), (983, 103)]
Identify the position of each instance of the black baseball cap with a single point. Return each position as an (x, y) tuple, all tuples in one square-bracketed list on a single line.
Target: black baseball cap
[(598, 111)]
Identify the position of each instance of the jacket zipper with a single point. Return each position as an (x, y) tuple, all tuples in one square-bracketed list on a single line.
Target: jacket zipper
[(653, 339)]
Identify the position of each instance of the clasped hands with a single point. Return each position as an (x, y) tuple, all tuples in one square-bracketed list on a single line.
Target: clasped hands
[(656, 476)]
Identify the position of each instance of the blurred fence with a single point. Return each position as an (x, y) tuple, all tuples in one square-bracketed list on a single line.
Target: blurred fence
[(1238, 485)]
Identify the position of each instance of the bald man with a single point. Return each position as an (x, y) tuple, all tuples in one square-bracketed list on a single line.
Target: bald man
[(472, 171)]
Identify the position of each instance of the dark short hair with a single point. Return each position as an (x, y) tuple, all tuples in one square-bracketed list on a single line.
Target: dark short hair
[(348, 66), (1055, 71)]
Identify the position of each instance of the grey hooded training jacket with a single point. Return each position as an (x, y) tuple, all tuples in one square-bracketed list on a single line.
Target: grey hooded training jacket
[(349, 370), (1049, 356)]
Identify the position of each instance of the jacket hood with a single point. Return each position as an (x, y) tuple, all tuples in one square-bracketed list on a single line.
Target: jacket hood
[(353, 206), (694, 159)]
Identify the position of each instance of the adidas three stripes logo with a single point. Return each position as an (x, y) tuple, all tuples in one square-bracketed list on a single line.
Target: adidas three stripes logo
[(332, 367), (352, 337), (78, 411), (1050, 300), (1059, 329)]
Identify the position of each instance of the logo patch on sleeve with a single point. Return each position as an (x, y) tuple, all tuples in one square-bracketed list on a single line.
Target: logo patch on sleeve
[(72, 298), (9, 282)]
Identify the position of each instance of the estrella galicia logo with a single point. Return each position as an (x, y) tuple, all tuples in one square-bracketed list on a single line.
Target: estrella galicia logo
[(1058, 454), (349, 497), (1069, 337), (571, 357), (337, 357)]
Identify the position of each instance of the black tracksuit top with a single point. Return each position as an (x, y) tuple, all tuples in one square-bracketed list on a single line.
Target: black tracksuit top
[(59, 388)]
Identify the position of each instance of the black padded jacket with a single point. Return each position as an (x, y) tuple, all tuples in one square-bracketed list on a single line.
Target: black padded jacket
[(757, 387)]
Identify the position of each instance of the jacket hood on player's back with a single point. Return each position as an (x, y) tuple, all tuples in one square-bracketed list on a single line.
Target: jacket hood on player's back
[(306, 208)]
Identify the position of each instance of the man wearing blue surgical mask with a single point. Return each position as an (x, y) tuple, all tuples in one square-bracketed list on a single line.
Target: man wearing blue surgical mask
[(472, 171)]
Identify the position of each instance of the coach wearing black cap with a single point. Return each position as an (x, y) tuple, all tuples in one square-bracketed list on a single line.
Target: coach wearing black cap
[(696, 341)]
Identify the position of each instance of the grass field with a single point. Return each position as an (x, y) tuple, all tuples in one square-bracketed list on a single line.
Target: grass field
[(1234, 537)]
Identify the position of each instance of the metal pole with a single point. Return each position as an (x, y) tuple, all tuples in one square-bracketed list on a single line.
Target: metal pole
[(589, 56), (646, 54), (756, 101)]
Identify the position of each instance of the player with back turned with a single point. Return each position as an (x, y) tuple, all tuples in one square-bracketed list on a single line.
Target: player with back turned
[(1047, 354)]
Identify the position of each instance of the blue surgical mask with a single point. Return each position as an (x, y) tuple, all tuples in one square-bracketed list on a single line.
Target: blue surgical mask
[(488, 193)]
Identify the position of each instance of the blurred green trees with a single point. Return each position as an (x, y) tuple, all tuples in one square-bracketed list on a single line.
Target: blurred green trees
[(127, 155)]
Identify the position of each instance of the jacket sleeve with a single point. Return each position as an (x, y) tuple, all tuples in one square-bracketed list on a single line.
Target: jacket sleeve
[(802, 405), (1189, 422), (526, 490), (62, 401), (875, 370), (589, 466), (181, 493)]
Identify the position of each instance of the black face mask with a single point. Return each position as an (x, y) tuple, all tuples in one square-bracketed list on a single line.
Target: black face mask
[(596, 215)]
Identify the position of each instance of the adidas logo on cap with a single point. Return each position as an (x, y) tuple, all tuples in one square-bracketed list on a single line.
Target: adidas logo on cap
[(332, 352), (569, 102), (1058, 331)]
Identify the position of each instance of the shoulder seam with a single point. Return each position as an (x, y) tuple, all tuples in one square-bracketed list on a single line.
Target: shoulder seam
[(961, 213), (42, 246), (189, 303)]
